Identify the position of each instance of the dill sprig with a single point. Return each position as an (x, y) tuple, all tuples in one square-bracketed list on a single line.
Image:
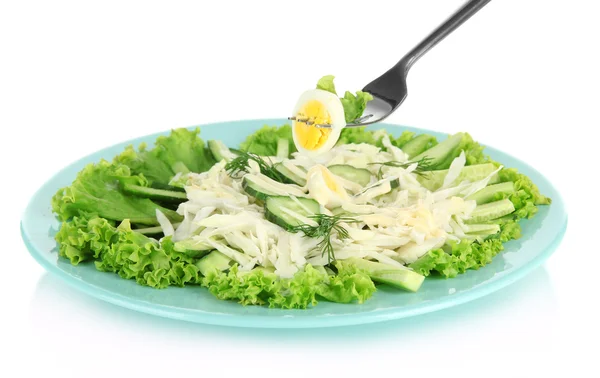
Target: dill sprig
[(241, 163), (423, 165), (326, 224)]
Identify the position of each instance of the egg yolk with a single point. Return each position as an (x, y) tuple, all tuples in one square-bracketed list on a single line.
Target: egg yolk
[(311, 137)]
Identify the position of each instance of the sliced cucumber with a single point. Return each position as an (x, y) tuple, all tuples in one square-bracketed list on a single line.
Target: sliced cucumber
[(220, 151), (265, 271), (402, 278), (377, 189), (418, 144), (340, 211), (192, 248), (180, 167), (159, 185), (439, 153), (276, 206), (214, 261), (488, 193), (283, 148), (255, 189), (433, 180), (492, 210), (482, 229), (289, 176), (262, 187), (156, 194), (150, 231), (360, 176)]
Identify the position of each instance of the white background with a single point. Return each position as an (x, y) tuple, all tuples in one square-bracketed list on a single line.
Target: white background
[(77, 76)]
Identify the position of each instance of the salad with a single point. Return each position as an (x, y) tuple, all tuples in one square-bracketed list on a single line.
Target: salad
[(296, 214)]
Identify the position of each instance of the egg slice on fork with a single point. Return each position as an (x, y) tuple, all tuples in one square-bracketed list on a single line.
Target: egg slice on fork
[(317, 107)]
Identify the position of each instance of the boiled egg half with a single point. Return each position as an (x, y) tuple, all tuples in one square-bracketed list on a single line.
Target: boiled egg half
[(317, 107)]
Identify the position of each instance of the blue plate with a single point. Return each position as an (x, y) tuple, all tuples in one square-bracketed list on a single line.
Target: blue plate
[(541, 236)]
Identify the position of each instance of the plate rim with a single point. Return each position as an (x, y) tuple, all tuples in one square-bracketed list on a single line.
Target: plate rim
[(287, 321)]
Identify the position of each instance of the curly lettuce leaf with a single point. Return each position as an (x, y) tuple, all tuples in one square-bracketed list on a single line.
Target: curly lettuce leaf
[(466, 254), (404, 138), (262, 287), (96, 190), (182, 151), (527, 195), (123, 251), (264, 141), (359, 135), (473, 151), (326, 83), (354, 104), (85, 238), (350, 284)]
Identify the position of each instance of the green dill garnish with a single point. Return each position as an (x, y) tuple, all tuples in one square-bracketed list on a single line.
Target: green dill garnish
[(423, 166), (241, 163), (326, 224)]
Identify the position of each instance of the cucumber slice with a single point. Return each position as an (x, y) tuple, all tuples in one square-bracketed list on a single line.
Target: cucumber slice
[(275, 214), (439, 153), (482, 229), (360, 176), (375, 190), (220, 151), (155, 194), (159, 185), (263, 187), (214, 261), (192, 247), (487, 194), (180, 167), (283, 148), (402, 278), (150, 231), (340, 211), (417, 145), (433, 180), (492, 210), (256, 190), (289, 176)]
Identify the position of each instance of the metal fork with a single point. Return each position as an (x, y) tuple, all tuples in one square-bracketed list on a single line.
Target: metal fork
[(389, 90)]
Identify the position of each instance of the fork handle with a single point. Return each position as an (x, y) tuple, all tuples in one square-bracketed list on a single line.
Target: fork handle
[(461, 15)]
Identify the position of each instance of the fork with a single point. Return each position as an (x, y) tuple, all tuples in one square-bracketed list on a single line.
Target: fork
[(389, 90)]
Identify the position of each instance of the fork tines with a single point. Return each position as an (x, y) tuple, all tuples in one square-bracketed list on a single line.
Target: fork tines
[(310, 123)]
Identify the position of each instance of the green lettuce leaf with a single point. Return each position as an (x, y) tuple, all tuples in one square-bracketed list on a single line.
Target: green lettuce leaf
[(326, 83), (354, 104), (84, 238), (466, 254), (526, 196), (96, 190), (264, 141), (182, 151), (473, 151), (350, 284), (262, 287), (359, 135), (123, 251), (404, 138)]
